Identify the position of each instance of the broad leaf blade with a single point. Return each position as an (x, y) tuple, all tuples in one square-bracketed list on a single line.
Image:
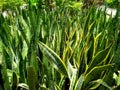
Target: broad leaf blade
[(96, 72), (100, 57), (32, 80), (53, 58)]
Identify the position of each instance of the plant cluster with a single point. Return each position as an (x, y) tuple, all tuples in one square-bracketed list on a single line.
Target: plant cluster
[(58, 45)]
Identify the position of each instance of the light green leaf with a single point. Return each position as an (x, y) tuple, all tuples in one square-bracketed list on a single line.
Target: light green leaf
[(116, 58), (118, 79), (70, 69), (58, 87), (100, 81), (24, 50), (79, 83), (109, 1), (25, 32), (73, 79), (75, 5)]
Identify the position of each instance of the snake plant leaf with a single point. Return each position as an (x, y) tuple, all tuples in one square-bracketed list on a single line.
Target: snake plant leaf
[(32, 81), (58, 87), (96, 72), (25, 32), (14, 81), (116, 58), (4, 76), (53, 58), (79, 83), (118, 80), (101, 56), (72, 74), (98, 82), (75, 5), (70, 69), (73, 79)]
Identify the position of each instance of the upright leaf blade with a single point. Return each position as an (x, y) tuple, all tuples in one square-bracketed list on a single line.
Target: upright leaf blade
[(53, 58), (14, 81), (79, 83), (32, 80)]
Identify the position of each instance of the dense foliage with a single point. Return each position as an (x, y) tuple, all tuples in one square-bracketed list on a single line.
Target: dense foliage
[(58, 45)]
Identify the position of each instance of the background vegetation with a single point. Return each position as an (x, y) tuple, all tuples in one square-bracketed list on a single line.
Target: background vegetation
[(58, 45)]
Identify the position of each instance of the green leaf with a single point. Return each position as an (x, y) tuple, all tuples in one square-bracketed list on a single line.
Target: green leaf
[(109, 1), (14, 81), (5, 77), (101, 56), (96, 72), (70, 69), (24, 50), (75, 5), (72, 74), (25, 32), (73, 79), (58, 87), (100, 81), (53, 58), (79, 83), (32, 81), (116, 58), (0, 59), (118, 79)]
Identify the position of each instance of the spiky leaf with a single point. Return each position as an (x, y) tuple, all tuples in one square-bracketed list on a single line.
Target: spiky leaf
[(53, 58)]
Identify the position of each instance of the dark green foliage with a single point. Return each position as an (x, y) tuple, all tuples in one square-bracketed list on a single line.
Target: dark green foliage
[(49, 45)]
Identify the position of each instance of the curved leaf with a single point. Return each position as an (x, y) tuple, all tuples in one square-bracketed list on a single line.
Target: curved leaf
[(96, 72), (101, 56), (53, 58), (24, 86), (98, 82)]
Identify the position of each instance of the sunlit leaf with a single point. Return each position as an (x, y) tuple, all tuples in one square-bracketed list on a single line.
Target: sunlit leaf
[(79, 82), (100, 81), (23, 86)]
